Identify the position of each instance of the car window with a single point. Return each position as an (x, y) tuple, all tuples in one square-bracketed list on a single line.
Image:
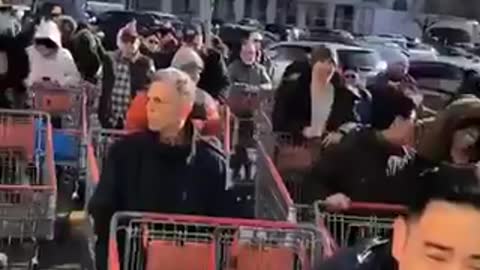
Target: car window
[(358, 58), (436, 71), (291, 53)]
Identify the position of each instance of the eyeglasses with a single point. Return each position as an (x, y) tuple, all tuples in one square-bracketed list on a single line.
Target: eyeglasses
[(153, 42)]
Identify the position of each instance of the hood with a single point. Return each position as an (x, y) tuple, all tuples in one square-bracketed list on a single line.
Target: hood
[(49, 29), (435, 134)]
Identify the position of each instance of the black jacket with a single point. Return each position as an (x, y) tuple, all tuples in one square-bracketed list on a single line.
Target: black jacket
[(88, 52), (214, 78), (373, 254), (141, 174), (17, 70), (140, 75), (292, 109), (364, 167)]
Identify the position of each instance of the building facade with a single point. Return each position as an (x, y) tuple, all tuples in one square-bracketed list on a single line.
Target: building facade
[(340, 14)]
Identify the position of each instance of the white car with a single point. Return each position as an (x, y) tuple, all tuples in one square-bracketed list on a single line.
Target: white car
[(422, 52), (366, 61)]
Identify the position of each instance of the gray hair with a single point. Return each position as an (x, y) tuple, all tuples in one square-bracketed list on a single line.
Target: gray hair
[(180, 80)]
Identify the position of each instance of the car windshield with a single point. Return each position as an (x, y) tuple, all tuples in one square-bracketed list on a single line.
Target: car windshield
[(450, 35), (358, 58), (291, 53)]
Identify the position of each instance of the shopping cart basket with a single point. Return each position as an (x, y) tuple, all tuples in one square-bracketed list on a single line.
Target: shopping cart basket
[(67, 104), (157, 241), (294, 158), (272, 200), (27, 179), (360, 221)]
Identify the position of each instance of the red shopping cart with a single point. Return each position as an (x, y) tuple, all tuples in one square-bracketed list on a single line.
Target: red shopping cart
[(362, 220), (154, 241), (67, 106), (27, 181)]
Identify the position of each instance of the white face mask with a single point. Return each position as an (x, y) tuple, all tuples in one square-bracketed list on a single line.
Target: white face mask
[(3, 63)]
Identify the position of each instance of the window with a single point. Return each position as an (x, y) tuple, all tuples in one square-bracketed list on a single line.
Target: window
[(291, 53), (400, 5), (435, 71), (358, 59), (450, 35)]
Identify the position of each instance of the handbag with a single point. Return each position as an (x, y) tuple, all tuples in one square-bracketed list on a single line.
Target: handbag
[(297, 157)]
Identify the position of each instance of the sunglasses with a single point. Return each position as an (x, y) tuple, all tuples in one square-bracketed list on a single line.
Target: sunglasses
[(351, 76), (153, 42)]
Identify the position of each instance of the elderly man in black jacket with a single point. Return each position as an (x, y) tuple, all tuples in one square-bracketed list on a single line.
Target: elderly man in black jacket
[(167, 169), (439, 230)]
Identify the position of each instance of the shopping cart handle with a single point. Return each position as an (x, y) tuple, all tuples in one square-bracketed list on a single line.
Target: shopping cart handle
[(380, 207), (366, 207)]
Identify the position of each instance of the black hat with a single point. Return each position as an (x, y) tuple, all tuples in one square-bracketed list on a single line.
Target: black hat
[(323, 53), (190, 31)]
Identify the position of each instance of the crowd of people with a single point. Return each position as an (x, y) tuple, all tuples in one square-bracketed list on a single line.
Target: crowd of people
[(376, 142)]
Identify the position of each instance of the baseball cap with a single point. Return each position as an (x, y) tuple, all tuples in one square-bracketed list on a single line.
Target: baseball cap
[(129, 32), (323, 53)]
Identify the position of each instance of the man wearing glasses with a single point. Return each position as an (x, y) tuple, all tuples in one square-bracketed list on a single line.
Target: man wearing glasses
[(440, 229)]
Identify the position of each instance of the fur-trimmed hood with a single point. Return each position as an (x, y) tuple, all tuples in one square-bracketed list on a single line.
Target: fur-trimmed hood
[(434, 136)]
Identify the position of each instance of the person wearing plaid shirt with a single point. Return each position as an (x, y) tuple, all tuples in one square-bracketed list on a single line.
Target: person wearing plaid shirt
[(125, 72)]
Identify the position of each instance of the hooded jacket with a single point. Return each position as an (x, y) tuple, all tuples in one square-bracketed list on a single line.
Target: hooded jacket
[(60, 67), (434, 135)]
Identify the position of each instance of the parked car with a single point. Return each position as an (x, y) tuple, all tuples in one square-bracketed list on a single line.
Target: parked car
[(421, 52), (440, 80), (390, 52), (367, 61)]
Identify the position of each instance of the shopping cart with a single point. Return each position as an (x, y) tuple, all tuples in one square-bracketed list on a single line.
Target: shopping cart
[(361, 221), (102, 140), (294, 157), (272, 199), (67, 106), (157, 241), (28, 182)]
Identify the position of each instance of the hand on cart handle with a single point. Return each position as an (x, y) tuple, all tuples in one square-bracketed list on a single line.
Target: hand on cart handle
[(247, 88), (341, 202), (338, 201)]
